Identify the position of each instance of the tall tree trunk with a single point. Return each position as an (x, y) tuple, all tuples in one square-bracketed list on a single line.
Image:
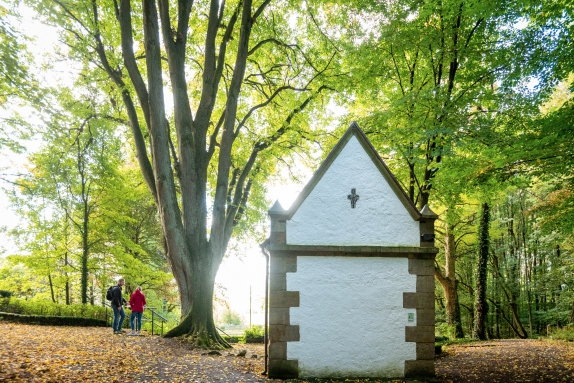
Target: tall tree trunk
[(67, 287), (480, 305), (449, 284), (84, 267), (81, 164), (514, 277), (51, 287), (515, 324)]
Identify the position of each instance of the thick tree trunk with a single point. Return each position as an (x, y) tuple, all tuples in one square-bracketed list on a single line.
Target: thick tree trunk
[(449, 284), (480, 305), (198, 322)]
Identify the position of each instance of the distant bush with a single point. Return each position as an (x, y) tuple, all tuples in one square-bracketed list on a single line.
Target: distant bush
[(52, 320), (565, 334), (445, 331), (254, 332), (233, 339)]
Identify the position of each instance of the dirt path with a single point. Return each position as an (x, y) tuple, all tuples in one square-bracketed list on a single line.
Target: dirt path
[(75, 354), (507, 361)]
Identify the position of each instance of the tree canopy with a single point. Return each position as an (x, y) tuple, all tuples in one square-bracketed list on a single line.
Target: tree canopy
[(469, 103)]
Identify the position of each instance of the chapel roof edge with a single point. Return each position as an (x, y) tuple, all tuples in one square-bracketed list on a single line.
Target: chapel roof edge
[(354, 130)]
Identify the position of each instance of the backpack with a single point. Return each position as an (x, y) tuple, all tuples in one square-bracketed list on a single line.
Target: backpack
[(110, 293)]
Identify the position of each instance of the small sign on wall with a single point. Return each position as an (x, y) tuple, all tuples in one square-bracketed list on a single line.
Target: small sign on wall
[(411, 317)]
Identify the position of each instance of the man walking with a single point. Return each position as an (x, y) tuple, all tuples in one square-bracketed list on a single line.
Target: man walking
[(117, 305)]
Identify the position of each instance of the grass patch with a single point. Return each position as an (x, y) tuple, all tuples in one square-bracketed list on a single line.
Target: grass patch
[(565, 334)]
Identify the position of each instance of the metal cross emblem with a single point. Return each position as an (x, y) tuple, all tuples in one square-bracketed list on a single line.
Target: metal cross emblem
[(353, 197)]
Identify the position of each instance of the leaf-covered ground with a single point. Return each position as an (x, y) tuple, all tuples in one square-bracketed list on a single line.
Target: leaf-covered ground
[(507, 361), (75, 354)]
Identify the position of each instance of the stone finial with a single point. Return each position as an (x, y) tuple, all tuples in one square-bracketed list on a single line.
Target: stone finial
[(276, 209), (427, 226), (278, 216), (427, 213)]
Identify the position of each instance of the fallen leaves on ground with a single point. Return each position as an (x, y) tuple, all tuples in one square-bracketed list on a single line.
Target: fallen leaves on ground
[(74, 354), (509, 360)]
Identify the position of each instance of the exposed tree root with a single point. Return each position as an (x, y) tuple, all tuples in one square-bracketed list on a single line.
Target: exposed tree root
[(199, 336)]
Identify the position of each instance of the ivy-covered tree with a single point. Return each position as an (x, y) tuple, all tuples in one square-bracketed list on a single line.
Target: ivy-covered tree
[(480, 304)]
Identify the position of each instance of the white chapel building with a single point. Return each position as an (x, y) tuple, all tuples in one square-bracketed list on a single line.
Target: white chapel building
[(351, 284)]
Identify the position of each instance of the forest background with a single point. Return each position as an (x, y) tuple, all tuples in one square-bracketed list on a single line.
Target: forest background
[(469, 104)]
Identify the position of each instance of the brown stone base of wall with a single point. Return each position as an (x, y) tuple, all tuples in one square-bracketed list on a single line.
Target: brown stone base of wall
[(283, 369), (419, 368)]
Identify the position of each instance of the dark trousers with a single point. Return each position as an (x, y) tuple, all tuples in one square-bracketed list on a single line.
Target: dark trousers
[(136, 321), (119, 316)]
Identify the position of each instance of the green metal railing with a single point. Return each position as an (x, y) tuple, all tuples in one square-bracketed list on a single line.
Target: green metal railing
[(156, 318), (153, 315)]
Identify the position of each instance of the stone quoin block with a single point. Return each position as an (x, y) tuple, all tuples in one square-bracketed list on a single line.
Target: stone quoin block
[(284, 333), (284, 299), (425, 317), (425, 351), (283, 264), (421, 266), (423, 334), (418, 300), (278, 350), (291, 264), (278, 282), (416, 368), (283, 369), (278, 225), (278, 237), (425, 283), (279, 315)]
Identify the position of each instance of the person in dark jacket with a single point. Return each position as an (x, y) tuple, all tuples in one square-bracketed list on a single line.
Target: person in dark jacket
[(117, 303), (137, 302)]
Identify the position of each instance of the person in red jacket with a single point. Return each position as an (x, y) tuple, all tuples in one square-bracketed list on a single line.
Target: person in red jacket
[(137, 302)]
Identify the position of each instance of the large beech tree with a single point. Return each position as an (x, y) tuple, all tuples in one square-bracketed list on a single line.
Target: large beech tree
[(237, 85)]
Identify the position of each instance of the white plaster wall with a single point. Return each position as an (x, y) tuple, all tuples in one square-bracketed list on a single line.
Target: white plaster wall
[(351, 317), (326, 217)]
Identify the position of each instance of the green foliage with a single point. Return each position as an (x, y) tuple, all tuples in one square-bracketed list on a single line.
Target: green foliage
[(254, 332), (565, 334), (231, 318), (89, 217), (444, 331), (5, 294), (234, 339), (441, 88), (47, 308), (52, 320)]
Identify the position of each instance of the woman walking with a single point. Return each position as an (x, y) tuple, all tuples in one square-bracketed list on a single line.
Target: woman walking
[(137, 302)]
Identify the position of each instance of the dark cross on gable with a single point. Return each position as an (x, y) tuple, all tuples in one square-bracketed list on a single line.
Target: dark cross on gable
[(353, 197)]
